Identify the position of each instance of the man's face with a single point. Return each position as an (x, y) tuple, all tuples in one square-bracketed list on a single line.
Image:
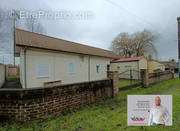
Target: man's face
[(158, 101)]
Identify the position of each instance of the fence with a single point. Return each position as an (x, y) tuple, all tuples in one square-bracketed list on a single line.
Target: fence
[(2, 75), (160, 76), (130, 74), (151, 78), (36, 103)]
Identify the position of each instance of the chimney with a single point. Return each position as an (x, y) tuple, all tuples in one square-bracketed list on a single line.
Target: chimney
[(178, 19)]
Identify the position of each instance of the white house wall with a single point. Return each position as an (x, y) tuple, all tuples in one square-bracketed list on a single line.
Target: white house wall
[(102, 62), (143, 64), (136, 66), (2, 75), (123, 67), (59, 67)]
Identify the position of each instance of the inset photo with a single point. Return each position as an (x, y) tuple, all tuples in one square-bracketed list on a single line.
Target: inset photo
[(149, 110)]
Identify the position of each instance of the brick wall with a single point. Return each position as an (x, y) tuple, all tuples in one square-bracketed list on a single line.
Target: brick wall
[(151, 78), (12, 71), (160, 76), (113, 75), (28, 104)]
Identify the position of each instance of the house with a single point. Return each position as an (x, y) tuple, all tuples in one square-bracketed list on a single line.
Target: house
[(2, 74), (128, 67), (170, 66), (155, 66), (47, 61)]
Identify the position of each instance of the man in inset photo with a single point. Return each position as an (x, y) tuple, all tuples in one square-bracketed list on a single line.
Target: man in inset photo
[(159, 114)]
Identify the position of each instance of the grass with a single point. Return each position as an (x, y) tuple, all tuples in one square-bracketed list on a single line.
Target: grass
[(12, 77), (123, 83), (107, 115)]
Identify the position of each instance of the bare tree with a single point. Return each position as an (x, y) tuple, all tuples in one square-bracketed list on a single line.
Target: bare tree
[(34, 25), (6, 33), (144, 43), (29, 23), (136, 44), (39, 29), (3, 26), (123, 45)]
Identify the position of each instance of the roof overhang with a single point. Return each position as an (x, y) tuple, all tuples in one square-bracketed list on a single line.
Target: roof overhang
[(35, 40), (17, 51), (124, 61), (18, 48), (133, 59)]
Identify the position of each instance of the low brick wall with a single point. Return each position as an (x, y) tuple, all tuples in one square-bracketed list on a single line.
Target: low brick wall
[(36, 103), (12, 71), (152, 78), (160, 76)]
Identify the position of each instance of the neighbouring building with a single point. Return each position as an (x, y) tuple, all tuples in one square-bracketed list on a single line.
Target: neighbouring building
[(170, 66), (128, 67), (155, 66), (131, 67), (47, 61)]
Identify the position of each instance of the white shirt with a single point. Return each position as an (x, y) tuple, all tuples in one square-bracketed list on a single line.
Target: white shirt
[(158, 114)]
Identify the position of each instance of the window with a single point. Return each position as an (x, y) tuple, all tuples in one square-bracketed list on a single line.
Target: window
[(160, 67), (108, 67), (97, 69), (42, 70), (71, 68)]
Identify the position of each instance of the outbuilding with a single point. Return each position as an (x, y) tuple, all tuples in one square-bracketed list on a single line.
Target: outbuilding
[(129, 67), (47, 61), (155, 66)]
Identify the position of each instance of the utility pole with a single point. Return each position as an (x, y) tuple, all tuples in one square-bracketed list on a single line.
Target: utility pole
[(178, 19), (3, 60), (15, 17), (14, 26), (32, 20)]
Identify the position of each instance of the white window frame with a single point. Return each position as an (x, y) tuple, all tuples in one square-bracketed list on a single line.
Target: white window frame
[(73, 70), (97, 65), (160, 67), (108, 67), (38, 70)]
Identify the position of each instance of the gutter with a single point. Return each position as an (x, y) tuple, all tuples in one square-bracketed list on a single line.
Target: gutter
[(43, 48), (138, 70), (25, 79), (89, 68), (5, 68)]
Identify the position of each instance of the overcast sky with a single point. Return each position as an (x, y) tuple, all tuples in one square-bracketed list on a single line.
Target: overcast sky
[(107, 19)]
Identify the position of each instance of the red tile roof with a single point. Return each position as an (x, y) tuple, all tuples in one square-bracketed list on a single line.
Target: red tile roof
[(127, 59)]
